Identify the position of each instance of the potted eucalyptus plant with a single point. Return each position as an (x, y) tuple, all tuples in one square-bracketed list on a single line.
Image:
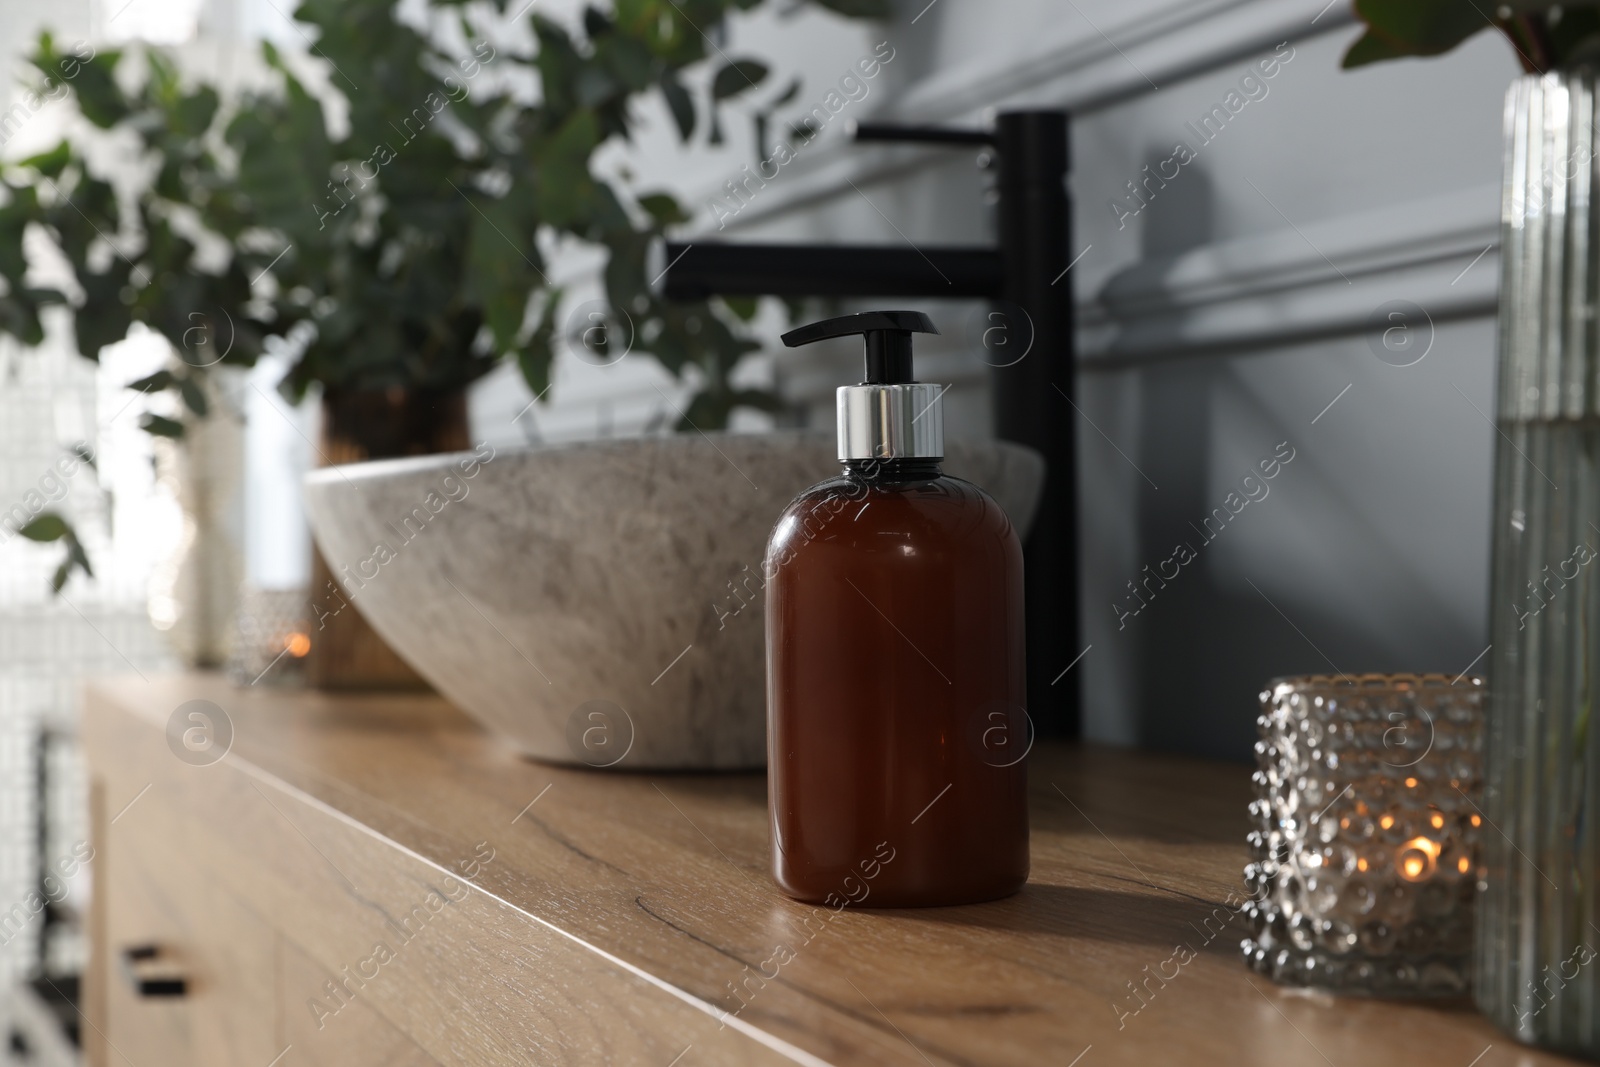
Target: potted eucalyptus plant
[(406, 256), (1538, 911)]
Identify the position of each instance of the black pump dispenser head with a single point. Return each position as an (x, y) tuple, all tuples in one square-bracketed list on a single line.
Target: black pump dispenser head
[(887, 335), (890, 415)]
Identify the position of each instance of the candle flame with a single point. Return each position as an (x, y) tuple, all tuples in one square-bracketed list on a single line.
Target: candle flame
[(1416, 858)]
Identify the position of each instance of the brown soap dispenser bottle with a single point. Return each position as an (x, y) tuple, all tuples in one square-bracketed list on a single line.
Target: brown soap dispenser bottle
[(896, 727)]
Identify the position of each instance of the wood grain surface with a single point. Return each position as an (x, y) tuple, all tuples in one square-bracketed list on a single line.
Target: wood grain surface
[(536, 914)]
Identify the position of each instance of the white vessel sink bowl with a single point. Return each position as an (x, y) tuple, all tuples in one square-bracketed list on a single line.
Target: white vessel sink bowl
[(597, 603)]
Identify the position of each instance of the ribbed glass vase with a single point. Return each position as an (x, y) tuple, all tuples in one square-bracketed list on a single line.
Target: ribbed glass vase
[(1539, 913)]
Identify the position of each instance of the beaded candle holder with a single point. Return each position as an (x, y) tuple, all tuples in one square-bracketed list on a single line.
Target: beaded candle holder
[(1364, 863), (273, 637)]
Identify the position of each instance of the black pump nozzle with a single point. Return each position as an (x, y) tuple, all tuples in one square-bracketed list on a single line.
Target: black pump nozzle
[(887, 335)]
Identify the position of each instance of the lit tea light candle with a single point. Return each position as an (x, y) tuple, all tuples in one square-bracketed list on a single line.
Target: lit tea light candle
[(1363, 857), (1418, 857)]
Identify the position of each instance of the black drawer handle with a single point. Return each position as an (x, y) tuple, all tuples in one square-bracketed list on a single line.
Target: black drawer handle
[(152, 973)]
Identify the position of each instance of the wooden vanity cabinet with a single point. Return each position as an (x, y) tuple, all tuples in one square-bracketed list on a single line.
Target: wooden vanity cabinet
[(376, 881)]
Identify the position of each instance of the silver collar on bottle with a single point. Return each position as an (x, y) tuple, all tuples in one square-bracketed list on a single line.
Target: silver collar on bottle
[(891, 421)]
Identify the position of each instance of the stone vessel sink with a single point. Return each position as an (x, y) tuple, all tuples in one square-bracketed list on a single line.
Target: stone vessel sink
[(597, 603)]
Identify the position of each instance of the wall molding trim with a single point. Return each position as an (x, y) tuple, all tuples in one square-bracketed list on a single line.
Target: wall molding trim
[(1083, 70), (1268, 291), (1075, 68), (1326, 279)]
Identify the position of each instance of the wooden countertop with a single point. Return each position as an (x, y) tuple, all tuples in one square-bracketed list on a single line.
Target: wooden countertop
[(663, 879)]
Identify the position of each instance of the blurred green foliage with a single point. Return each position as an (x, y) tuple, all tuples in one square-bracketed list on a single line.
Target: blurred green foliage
[(411, 249), (50, 526)]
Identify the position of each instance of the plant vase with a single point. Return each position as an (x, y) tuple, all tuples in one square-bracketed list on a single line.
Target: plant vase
[(194, 591), (1539, 910), (358, 425)]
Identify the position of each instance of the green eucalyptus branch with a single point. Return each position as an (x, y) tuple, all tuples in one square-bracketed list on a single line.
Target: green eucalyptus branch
[(409, 252), (415, 246), (49, 527)]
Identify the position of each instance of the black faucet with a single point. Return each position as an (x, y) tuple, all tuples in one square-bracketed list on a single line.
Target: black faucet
[(1026, 273)]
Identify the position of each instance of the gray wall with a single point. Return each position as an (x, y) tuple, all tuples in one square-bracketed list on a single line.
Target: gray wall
[(1219, 322)]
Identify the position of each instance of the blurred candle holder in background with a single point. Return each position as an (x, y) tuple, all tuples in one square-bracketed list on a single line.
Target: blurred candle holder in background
[(1364, 856), (274, 636)]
